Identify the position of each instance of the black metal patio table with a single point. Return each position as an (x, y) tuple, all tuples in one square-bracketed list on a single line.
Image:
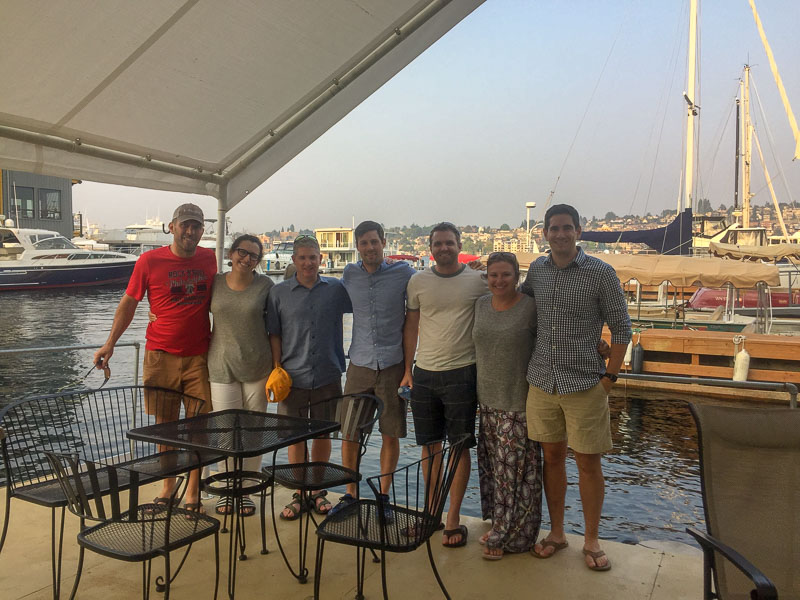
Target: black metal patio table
[(236, 434)]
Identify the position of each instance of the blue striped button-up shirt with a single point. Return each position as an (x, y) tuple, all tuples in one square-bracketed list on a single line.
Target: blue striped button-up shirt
[(571, 306), (379, 311), (309, 321)]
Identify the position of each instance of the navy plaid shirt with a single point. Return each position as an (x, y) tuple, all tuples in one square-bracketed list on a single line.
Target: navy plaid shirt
[(571, 306)]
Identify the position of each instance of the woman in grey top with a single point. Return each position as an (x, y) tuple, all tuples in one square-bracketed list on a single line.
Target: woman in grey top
[(509, 464), (239, 357)]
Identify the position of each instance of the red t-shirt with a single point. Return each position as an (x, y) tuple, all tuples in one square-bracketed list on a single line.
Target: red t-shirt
[(179, 293)]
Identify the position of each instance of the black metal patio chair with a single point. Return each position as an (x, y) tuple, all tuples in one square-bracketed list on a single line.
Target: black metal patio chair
[(750, 476), (357, 414), (93, 424), (418, 495), (138, 534)]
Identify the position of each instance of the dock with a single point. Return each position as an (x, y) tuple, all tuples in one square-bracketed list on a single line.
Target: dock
[(666, 571)]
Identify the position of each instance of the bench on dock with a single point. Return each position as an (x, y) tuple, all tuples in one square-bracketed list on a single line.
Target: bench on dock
[(92, 424)]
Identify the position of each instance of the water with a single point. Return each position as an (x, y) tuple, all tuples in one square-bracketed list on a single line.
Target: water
[(652, 475)]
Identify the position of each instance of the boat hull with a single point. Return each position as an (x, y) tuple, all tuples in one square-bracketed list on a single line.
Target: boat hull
[(53, 276)]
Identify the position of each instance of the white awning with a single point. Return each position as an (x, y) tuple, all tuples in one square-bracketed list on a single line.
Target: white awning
[(194, 96)]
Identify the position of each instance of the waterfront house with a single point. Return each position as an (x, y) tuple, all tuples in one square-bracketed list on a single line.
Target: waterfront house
[(37, 201)]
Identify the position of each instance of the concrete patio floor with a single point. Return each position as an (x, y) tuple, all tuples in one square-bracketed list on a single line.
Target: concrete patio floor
[(638, 572)]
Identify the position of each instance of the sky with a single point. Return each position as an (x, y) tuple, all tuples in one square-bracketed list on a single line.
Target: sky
[(523, 98)]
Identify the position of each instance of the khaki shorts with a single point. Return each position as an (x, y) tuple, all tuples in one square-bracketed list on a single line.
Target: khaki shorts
[(185, 374), (580, 418), (383, 383)]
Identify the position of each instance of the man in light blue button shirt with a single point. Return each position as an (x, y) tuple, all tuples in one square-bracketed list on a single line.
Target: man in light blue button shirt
[(377, 291)]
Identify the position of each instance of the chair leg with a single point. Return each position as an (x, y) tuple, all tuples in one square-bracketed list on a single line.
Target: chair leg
[(160, 581), (360, 555), (435, 572), (5, 518), (78, 574), (318, 566), (216, 565), (383, 575), (56, 551), (167, 578), (146, 571), (264, 522), (277, 536)]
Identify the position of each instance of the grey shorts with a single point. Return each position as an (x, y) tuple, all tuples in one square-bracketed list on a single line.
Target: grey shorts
[(383, 383), (310, 403)]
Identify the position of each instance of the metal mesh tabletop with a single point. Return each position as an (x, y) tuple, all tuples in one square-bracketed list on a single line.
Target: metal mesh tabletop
[(235, 432)]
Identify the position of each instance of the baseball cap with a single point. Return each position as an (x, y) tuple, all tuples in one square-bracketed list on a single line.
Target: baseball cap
[(188, 212), (278, 385)]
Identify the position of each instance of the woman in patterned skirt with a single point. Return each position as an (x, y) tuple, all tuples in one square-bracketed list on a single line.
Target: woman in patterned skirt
[(509, 464)]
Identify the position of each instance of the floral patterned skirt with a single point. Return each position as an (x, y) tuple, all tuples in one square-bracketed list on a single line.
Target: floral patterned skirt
[(510, 471)]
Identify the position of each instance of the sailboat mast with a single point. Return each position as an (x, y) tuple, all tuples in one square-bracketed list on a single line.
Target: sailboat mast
[(691, 111), (738, 152), (748, 148)]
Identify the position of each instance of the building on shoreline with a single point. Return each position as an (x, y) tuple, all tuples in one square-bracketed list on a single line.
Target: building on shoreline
[(37, 201)]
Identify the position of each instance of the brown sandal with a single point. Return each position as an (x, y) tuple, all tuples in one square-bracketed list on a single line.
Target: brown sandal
[(296, 508), (556, 546), (595, 556)]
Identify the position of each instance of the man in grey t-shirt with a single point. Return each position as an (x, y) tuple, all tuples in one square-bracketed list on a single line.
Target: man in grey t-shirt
[(440, 312)]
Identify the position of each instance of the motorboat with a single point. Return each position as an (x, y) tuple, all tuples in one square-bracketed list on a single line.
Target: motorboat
[(39, 259)]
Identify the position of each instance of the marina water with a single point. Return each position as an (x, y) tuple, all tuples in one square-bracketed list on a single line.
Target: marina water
[(652, 474)]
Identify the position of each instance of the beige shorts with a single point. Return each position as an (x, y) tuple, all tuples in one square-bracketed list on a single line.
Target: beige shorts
[(580, 418), (383, 383), (186, 374)]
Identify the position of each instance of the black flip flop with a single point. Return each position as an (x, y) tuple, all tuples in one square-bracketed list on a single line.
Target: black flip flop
[(462, 530)]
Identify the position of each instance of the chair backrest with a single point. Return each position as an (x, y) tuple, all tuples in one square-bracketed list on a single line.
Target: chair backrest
[(418, 494), (750, 475), (92, 424), (85, 484), (357, 413)]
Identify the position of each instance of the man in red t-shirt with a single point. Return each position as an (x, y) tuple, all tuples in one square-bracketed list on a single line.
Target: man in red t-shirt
[(177, 279)]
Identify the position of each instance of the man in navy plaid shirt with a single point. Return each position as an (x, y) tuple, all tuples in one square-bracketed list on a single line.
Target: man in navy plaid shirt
[(569, 381)]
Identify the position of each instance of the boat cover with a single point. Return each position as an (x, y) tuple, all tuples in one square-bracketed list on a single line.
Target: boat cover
[(681, 271), (774, 252), (195, 96), (675, 238)]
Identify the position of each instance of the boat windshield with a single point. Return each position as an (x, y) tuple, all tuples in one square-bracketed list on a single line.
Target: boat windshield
[(7, 237), (55, 243)]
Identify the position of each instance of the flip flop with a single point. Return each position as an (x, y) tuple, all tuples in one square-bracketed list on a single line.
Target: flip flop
[(247, 508), (557, 546), (461, 530), (194, 507), (295, 507), (412, 531), (487, 556), (595, 556), (160, 505)]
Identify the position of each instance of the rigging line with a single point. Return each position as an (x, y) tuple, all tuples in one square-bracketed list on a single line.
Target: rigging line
[(771, 140), (666, 92), (585, 112), (678, 41), (718, 137), (698, 101)]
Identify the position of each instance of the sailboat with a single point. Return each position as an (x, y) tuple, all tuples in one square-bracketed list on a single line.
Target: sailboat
[(681, 235)]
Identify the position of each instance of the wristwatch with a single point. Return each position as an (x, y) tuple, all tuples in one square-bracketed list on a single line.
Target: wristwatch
[(613, 378)]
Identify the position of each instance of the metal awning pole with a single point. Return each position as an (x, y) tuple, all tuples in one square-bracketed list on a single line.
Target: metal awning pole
[(223, 195)]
